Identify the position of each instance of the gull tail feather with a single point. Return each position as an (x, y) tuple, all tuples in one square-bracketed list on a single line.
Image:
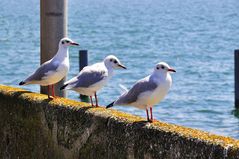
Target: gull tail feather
[(22, 83), (123, 89), (63, 87), (110, 105)]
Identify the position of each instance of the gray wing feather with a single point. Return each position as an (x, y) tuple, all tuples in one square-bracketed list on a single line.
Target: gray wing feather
[(140, 87), (42, 70), (88, 78)]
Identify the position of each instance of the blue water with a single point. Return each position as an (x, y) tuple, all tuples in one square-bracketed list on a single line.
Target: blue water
[(196, 37)]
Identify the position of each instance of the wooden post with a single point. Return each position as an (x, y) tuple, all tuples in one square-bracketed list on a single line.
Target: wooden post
[(236, 71), (83, 59), (53, 28)]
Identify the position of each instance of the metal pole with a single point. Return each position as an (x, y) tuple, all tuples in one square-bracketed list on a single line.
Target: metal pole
[(53, 28), (83, 59), (236, 71)]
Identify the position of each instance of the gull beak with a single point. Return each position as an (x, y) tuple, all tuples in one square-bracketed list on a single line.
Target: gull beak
[(171, 70), (122, 66), (74, 43)]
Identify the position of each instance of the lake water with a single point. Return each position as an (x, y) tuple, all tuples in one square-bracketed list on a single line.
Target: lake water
[(196, 37)]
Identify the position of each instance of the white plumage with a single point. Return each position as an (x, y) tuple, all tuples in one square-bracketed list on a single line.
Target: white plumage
[(53, 70), (148, 91), (93, 78)]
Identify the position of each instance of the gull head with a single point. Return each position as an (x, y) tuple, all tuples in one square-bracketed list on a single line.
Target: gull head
[(163, 67), (113, 62), (65, 42)]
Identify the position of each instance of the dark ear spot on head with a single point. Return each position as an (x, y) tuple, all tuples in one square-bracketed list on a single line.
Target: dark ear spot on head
[(62, 42), (111, 60), (157, 68)]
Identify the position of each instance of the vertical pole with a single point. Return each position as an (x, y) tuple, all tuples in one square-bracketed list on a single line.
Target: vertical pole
[(83, 59), (236, 71), (53, 28)]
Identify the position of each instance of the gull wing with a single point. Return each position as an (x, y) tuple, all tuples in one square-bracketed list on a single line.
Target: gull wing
[(43, 71), (87, 77), (141, 86)]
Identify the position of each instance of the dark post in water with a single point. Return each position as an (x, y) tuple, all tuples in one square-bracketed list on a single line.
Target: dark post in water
[(83, 59), (53, 28), (236, 71)]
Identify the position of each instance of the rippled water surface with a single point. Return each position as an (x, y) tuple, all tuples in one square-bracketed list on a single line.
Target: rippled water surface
[(196, 37)]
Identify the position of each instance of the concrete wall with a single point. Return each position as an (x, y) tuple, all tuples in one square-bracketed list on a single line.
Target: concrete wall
[(31, 126)]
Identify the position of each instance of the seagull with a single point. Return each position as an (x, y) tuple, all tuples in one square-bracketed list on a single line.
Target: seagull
[(148, 91), (93, 78), (54, 70)]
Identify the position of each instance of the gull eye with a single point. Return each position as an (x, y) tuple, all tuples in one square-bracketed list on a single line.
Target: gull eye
[(67, 41), (162, 67), (115, 61), (63, 42)]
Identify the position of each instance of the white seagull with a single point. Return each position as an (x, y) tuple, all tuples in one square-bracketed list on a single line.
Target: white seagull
[(93, 78), (54, 70), (148, 91)]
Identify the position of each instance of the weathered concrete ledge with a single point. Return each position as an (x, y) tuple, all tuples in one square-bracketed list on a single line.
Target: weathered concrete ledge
[(31, 126)]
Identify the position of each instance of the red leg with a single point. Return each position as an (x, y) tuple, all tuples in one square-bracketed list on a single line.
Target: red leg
[(52, 90), (151, 113), (92, 104), (147, 114), (48, 91), (96, 100), (49, 97)]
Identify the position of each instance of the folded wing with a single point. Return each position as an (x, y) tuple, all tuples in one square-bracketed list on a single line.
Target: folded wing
[(140, 87), (43, 71), (86, 78)]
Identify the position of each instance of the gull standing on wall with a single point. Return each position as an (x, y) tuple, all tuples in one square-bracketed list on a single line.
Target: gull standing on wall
[(93, 78), (54, 70), (148, 91)]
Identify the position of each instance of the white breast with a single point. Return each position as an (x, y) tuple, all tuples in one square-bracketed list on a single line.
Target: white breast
[(53, 77), (151, 98), (90, 91)]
